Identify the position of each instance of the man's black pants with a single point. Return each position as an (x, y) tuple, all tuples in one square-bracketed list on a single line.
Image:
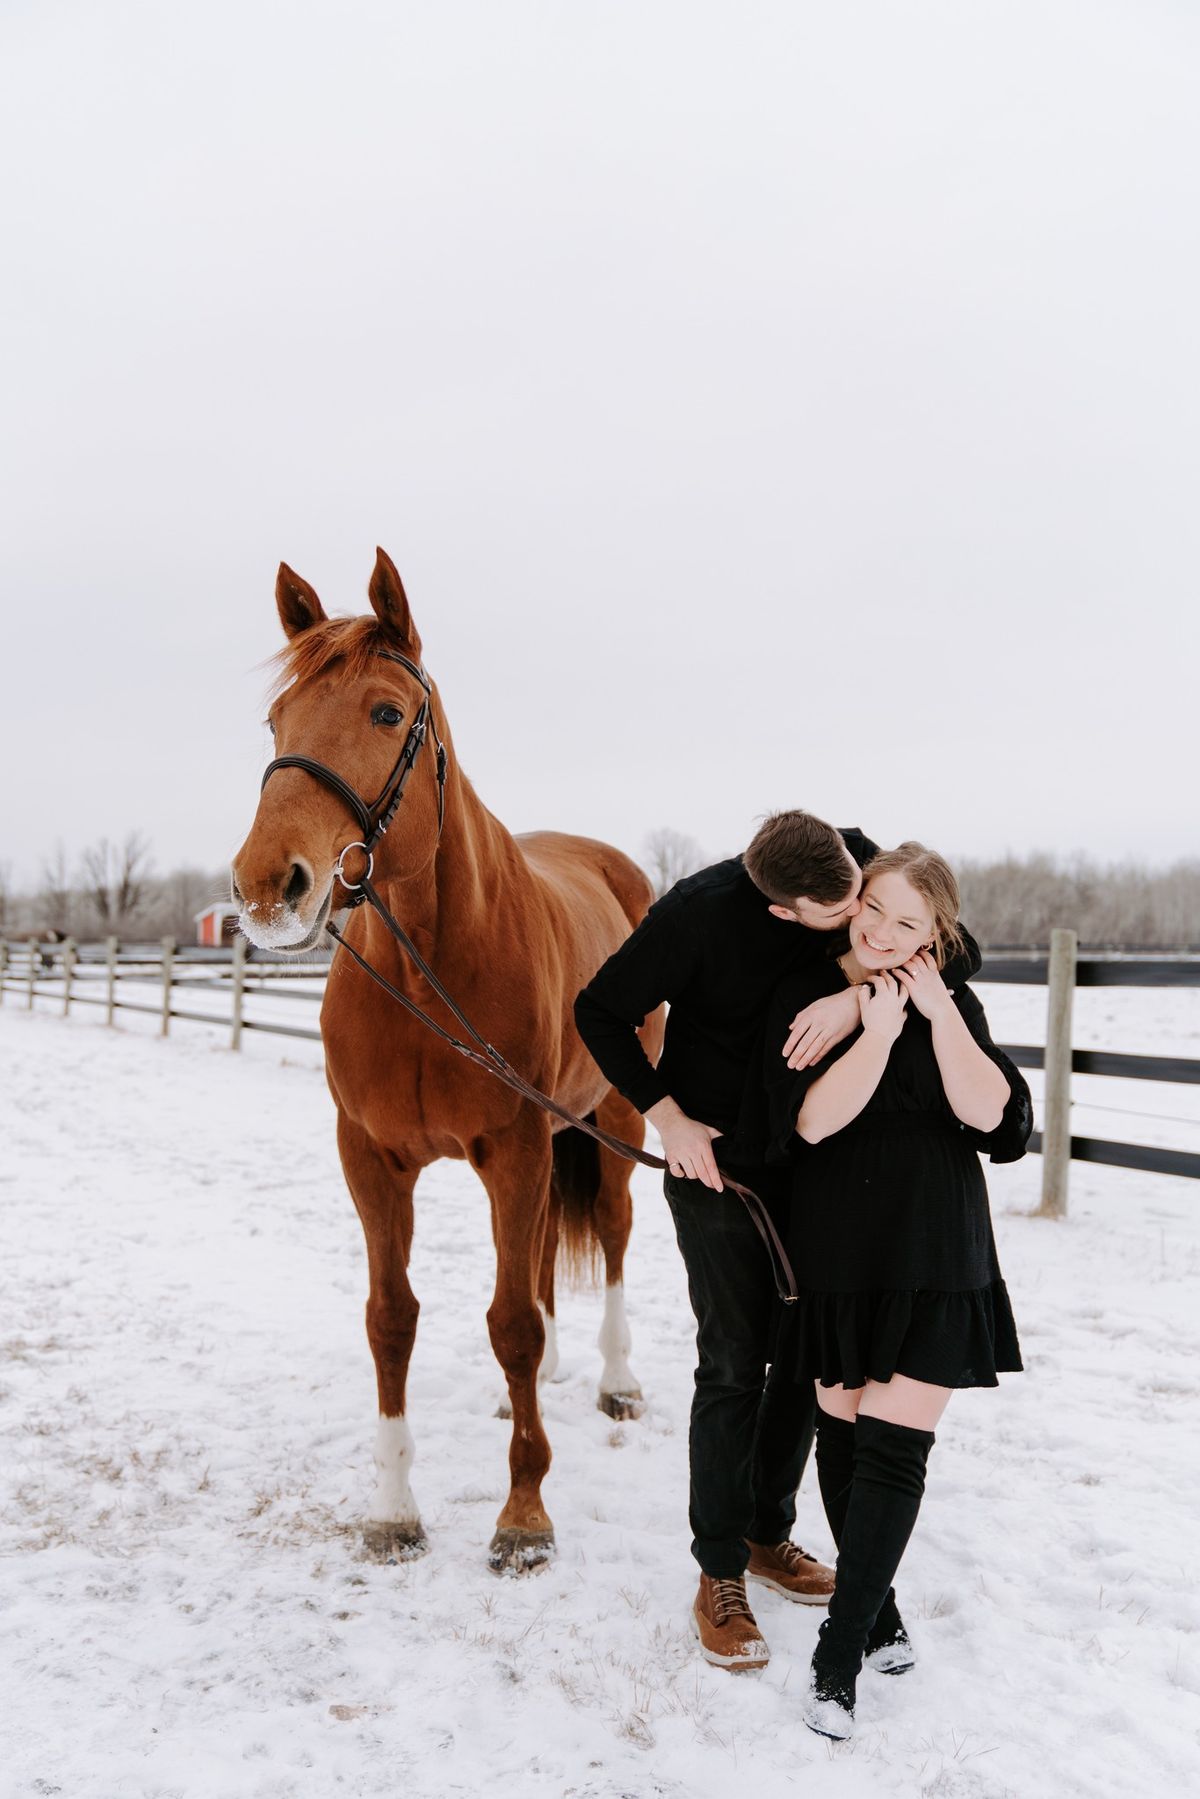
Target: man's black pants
[(750, 1431)]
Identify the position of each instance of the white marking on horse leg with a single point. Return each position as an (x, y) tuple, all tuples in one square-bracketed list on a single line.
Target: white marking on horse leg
[(549, 1367), (614, 1343), (393, 1502)]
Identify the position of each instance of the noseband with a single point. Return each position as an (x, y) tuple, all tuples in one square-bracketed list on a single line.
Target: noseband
[(374, 819)]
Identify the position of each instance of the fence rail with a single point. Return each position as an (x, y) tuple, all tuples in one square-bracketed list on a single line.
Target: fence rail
[(1062, 971), (33, 971), (1124, 969), (65, 971)]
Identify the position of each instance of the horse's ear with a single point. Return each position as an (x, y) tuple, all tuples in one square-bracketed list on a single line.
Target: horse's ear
[(298, 604), (390, 602)]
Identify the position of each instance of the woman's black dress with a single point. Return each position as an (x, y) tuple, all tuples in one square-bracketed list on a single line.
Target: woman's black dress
[(890, 1233)]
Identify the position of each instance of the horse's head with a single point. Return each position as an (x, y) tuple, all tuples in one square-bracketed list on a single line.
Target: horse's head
[(349, 693)]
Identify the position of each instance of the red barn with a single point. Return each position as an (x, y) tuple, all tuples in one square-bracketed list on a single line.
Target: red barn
[(217, 924)]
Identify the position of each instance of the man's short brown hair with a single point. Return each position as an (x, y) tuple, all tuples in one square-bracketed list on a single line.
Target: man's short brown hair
[(796, 856)]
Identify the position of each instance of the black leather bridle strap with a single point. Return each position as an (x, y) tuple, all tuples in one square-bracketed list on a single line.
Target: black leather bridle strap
[(423, 722), (331, 779)]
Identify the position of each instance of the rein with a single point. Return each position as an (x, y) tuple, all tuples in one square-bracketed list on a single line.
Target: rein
[(480, 1052)]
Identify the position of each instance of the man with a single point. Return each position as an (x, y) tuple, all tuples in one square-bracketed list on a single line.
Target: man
[(715, 947)]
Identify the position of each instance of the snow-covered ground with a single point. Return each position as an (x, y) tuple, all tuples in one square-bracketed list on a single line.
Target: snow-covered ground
[(188, 1405)]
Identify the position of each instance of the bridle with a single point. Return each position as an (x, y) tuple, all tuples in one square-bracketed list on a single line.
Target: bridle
[(373, 821)]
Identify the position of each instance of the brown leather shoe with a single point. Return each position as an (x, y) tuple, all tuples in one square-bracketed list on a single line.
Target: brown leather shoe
[(790, 1570), (724, 1623)]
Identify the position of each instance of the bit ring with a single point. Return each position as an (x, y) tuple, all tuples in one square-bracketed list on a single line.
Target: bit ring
[(351, 886)]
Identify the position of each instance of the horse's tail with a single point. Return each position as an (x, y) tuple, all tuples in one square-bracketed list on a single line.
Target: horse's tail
[(575, 1186)]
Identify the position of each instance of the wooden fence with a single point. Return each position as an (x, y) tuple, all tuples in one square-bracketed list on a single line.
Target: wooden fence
[(157, 974), (103, 974)]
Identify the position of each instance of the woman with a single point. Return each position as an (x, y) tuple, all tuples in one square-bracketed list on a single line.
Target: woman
[(900, 1297)]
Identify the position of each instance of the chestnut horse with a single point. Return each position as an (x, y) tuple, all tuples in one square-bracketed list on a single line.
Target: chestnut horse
[(513, 927)]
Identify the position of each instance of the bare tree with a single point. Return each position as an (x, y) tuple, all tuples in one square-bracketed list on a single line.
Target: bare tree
[(114, 881), (54, 908), (669, 856)]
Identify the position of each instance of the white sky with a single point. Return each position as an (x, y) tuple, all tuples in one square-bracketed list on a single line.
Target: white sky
[(784, 404)]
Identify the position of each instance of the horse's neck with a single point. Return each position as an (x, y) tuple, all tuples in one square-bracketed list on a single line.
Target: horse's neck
[(455, 909)]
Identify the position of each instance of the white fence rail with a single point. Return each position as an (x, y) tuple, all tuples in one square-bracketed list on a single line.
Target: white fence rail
[(165, 980)]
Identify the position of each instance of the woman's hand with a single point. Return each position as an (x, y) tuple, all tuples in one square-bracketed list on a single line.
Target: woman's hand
[(881, 1006), (922, 981)]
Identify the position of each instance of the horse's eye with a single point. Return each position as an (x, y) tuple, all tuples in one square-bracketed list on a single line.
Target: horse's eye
[(387, 715)]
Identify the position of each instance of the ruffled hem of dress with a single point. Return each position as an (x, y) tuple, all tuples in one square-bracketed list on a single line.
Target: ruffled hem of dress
[(950, 1339)]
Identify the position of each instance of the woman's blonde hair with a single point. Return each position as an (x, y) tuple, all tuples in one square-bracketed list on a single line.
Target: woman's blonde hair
[(933, 878)]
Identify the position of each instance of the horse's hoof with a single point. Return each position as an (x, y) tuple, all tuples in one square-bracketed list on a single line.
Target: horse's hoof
[(622, 1405), (520, 1551), (393, 1542)]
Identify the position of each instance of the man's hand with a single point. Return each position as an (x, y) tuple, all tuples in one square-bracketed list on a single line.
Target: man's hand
[(822, 1024), (687, 1144)]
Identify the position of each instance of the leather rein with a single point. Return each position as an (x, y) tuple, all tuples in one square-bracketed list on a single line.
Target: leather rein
[(373, 821)]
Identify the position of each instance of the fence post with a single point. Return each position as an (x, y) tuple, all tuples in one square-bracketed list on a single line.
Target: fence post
[(239, 986), (68, 971), (111, 960), (33, 961), (168, 962), (1056, 1130), (3, 966)]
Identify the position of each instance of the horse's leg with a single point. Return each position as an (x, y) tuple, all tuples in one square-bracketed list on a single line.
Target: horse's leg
[(549, 1364), (620, 1394), (382, 1189), (515, 1169), (546, 1306)]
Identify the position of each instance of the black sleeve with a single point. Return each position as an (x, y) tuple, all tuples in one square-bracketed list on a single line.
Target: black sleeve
[(860, 846), (1007, 1142), (654, 964), (786, 1087)]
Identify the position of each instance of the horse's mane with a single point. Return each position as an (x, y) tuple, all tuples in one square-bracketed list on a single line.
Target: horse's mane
[(345, 645)]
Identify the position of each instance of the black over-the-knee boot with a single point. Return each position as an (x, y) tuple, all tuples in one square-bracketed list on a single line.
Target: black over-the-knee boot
[(885, 1497), (888, 1649)]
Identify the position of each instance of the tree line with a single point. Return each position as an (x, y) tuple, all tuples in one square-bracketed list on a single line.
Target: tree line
[(111, 889)]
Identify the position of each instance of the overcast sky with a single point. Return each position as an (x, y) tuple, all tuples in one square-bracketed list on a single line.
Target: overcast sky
[(772, 404)]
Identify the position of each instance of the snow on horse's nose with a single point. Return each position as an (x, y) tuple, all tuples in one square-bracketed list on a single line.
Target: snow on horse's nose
[(272, 897)]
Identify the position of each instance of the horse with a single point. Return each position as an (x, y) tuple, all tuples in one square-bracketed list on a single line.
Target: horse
[(513, 926)]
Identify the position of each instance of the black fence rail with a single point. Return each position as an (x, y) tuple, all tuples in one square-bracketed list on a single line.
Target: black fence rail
[(1128, 970)]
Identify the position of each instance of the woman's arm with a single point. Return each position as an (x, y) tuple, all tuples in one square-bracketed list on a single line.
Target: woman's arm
[(843, 1090), (975, 1087)]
